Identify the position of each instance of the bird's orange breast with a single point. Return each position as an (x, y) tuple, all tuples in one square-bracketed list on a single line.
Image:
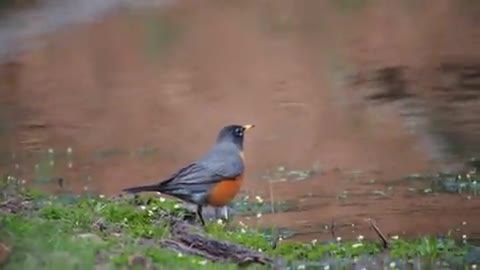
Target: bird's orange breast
[(224, 192)]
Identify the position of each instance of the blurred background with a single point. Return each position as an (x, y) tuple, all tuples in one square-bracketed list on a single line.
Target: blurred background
[(354, 102)]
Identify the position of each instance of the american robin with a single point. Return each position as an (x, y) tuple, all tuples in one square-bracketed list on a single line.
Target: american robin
[(214, 179)]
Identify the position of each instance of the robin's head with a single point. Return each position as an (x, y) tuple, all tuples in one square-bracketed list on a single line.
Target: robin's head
[(234, 134)]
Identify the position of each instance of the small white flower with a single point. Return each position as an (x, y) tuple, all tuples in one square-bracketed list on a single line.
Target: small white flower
[(259, 199), (339, 239), (259, 215), (202, 262), (326, 267), (260, 250), (69, 150), (37, 166), (179, 255), (176, 206), (101, 196), (360, 237), (52, 162), (464, 236), (242, 224), (150, 213), (393, 264), (162, 199), (50, 150), (70, 165), (464, 223), (143, 207), (85, 188), (301, 267), (17, 166), (474, 266), (395, 237), (242, 230), (23, 181), (314, 241), (474, 182), (219, 221)]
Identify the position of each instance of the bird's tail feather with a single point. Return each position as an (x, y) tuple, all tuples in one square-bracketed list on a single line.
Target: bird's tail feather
[(146, 188)]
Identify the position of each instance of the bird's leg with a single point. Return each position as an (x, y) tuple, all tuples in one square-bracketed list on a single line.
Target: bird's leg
[(222, 213), (199, 213)]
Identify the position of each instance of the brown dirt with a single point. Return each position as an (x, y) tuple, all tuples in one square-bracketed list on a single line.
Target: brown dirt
[(4, 253), (97, 86)]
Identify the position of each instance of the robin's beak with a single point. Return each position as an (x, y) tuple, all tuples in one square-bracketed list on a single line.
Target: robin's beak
[(247, 127)]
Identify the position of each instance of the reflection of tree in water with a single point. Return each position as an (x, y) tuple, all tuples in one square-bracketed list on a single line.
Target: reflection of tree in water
[(8, 5), (393, 83), (452, 96)]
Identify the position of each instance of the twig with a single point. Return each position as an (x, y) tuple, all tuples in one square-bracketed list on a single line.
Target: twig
[(386, 243), (332, 229), (7, 202), (275, 234), (60, 182)]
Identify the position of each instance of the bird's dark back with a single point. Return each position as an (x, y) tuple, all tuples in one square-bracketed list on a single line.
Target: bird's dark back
[(224, 157)]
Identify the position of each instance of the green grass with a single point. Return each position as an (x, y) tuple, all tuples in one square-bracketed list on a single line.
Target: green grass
[(467, 183), (47, 244), (84, 232)]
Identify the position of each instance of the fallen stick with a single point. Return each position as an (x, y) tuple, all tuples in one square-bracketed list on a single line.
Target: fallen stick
[(188, 239), (386, 243)]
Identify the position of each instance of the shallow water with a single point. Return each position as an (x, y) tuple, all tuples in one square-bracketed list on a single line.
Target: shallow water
[(136, 93)]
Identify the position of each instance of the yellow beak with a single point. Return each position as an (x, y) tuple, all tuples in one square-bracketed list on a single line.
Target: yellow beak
[(247, 127)]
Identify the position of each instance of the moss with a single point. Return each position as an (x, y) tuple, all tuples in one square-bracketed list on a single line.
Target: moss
[(82, 232), (46, 244)]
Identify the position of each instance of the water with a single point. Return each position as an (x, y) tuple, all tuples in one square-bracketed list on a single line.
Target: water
[(124, 96), (19, 29)]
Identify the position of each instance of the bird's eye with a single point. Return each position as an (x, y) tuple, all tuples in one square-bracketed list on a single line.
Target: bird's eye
[(239, 132)]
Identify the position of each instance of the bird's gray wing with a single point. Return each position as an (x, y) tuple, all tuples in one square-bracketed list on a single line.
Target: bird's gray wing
[(224, 161), (193, 182), (209, 171)]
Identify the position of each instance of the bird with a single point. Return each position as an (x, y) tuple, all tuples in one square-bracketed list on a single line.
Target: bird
[(214, 179)]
